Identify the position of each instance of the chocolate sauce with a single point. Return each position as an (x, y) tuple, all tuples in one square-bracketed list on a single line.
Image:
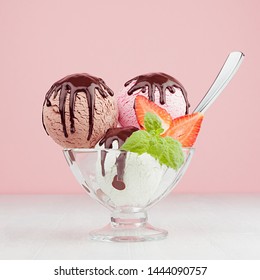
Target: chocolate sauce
[(119, 134), (71, 85), (161, 81)]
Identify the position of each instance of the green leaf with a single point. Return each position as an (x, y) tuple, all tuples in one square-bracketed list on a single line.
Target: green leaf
[(171, 154), (167, 151), (164, 149), (153, 124), (138, 142), (155, 146)]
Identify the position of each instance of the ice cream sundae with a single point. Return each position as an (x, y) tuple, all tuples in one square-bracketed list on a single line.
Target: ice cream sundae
[(80, 111), (128, 151), (129, 163)]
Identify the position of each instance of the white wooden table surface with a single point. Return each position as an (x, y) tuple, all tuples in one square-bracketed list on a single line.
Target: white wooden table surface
[(200, 227)]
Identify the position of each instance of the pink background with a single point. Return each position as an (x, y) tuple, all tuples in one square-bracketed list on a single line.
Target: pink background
[(42, 41)]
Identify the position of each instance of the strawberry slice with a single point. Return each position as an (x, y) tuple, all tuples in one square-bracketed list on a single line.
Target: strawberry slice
[(185, 129), (144, 105)]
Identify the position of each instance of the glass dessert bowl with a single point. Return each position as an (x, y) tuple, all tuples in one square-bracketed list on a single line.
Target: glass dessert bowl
[(127, 184)]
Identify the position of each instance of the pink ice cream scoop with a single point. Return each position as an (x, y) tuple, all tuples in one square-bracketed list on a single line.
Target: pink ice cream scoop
[(160, 88), (78, 110)]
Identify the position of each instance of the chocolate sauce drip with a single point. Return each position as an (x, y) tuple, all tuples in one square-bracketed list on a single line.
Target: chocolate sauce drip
[(118, 181), (71, 85), (161, 81), (120, 135)]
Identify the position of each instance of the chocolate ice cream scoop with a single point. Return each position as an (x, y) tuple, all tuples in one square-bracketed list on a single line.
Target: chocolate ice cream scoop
[(78, 110)]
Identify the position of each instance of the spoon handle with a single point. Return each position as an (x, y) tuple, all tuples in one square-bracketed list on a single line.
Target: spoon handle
[(225, 75)]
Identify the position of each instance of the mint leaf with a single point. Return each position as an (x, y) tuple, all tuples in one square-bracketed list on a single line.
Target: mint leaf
[(155, 146), (137, 142), (167, 151), (152, 124), (171, 154), (164, 149)]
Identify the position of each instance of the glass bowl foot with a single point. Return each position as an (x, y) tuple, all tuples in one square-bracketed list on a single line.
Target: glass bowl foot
[(128, 234), (128, 227)]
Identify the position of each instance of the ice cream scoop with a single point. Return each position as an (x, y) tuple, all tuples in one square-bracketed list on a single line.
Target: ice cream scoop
[(160, 88), (126, 177), (78, 110), (141, 178), (133, 173)]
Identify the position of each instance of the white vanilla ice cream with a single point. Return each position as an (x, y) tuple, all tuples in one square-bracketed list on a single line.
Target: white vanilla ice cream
[(142, 177)]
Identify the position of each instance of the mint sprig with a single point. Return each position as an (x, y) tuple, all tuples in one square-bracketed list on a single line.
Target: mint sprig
[(137, 142), (152, 124), (166, 150)]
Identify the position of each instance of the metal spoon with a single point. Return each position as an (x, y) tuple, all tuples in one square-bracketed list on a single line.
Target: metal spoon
[(225, 75)]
